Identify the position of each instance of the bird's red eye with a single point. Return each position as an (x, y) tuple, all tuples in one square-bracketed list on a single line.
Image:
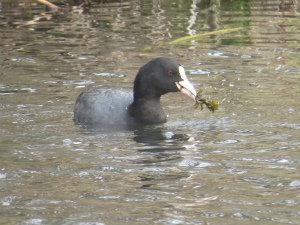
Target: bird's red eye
[(170, 72)]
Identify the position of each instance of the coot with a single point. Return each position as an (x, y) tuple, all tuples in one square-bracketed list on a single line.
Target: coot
[(161, 75)]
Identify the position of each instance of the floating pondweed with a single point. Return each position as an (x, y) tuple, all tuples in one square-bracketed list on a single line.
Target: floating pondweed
[(200, 100)]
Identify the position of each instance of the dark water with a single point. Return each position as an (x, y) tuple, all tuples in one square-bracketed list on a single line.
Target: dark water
[(239, 165)]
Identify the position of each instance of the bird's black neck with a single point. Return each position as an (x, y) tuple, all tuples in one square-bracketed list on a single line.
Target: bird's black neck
[(147, 111)]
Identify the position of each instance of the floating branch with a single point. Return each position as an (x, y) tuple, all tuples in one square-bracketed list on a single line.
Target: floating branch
[(49, 4)]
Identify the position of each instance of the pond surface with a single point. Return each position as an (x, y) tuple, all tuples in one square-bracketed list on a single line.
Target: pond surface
[(239, 165)]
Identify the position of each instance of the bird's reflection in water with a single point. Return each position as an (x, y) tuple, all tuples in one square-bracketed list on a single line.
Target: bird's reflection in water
[(161, 148)]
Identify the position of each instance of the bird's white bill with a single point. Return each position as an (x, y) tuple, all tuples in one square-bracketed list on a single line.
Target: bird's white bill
[(185, 86)]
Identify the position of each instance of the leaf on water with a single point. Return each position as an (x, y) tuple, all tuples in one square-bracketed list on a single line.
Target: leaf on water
[(183, 40), (198, 36), (200, 100)]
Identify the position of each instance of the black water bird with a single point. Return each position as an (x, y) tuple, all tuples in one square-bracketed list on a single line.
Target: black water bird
[(98, 105)]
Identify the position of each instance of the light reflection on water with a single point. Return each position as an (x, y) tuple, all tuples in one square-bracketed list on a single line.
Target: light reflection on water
[(238, 165)]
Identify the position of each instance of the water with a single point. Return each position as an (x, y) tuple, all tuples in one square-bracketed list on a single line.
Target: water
[(239, 165)]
